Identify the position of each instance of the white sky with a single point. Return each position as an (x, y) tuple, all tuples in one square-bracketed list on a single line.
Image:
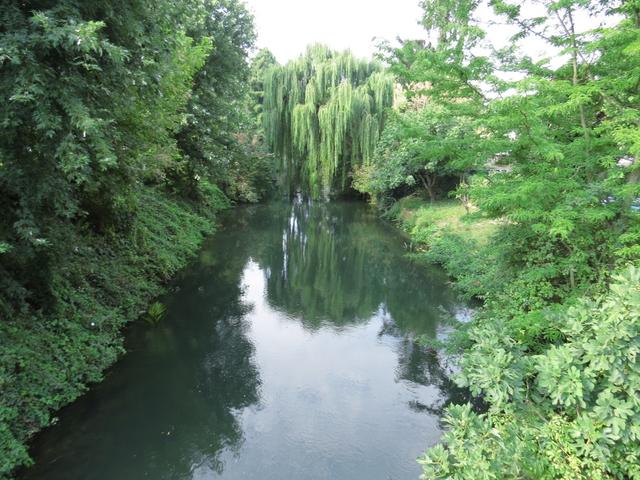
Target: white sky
[(286, 27)]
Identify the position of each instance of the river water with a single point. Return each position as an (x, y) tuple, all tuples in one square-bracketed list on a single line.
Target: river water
[(288, 352)]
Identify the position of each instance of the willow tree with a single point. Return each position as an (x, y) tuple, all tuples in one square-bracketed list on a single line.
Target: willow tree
[(323, 115)]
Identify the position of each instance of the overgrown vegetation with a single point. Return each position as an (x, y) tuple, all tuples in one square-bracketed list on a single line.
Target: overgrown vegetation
[(462, 243), (126, 125), (544, 163)]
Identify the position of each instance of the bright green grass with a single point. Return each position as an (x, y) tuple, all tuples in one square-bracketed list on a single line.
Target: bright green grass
[(423, 220)]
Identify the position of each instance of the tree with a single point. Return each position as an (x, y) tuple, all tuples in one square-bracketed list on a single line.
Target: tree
[(419, 146), (261, 63), (323, 114), (441, 133), (91, 94), (217, 108)]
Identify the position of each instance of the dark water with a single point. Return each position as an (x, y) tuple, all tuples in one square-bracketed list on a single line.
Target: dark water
[(287, 352)]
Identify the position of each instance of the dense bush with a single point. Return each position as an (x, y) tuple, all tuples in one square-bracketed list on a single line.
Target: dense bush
[(570, 411)]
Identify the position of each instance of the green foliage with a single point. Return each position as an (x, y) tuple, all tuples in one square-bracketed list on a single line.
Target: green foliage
[(155, 313), (97, 100), (552, 161), (443, 233), (260, 64), (550, 155), (323, 115), (216, 136), (570, 411), (419, 147)]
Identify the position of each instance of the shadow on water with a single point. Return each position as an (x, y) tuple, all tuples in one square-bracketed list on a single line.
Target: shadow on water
[(288, 351), (161, 410)]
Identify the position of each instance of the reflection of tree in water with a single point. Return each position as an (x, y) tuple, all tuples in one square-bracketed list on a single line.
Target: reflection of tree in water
[(315, 271), (423, 365), (335, 263), (184, 387), (219, 355)]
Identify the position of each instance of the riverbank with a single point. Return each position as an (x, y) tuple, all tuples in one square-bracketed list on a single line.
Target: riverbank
[(99, 283), (534, 352), (445, 233)]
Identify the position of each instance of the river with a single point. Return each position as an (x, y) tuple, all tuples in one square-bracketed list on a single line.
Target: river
[(288, 352)]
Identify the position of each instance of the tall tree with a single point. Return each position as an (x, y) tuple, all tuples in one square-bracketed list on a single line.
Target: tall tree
[(323, 114), (90, 95), (217, 108)]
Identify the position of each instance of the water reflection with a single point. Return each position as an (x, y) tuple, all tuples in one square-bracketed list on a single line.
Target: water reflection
[(288, 352), (339, 265), (170, 405)]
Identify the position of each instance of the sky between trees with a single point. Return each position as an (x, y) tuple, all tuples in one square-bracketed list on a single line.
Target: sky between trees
[(286, 27)]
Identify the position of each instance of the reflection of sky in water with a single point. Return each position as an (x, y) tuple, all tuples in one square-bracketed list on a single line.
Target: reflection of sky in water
[(332, 397), (288, 352)]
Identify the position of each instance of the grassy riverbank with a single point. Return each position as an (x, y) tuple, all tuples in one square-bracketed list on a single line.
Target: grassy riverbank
[(426, 221), (445, 233), (99, 283)]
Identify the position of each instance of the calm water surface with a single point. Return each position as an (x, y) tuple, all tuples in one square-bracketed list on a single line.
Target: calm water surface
[(287, 352)]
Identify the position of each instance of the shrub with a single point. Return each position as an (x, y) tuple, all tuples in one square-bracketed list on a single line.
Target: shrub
[(569, 411)]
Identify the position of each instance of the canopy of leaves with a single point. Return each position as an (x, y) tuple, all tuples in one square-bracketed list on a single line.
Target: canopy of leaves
[(419, 146), (217, 110), (323, 115)]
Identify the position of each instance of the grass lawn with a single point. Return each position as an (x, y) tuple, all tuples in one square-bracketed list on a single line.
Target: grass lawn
[(423, 220)]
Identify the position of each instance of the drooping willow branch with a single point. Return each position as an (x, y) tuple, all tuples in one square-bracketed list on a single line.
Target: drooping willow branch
[(323, 115)]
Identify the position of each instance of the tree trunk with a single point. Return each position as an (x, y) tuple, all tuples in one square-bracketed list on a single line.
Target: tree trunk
[(574, 61), (429, 182), (571, 33), (464, 198)]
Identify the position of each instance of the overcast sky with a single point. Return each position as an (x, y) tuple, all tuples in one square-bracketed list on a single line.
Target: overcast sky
[(286, 27)]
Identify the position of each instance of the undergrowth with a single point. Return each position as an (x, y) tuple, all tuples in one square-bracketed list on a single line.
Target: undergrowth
[(99, 283)]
